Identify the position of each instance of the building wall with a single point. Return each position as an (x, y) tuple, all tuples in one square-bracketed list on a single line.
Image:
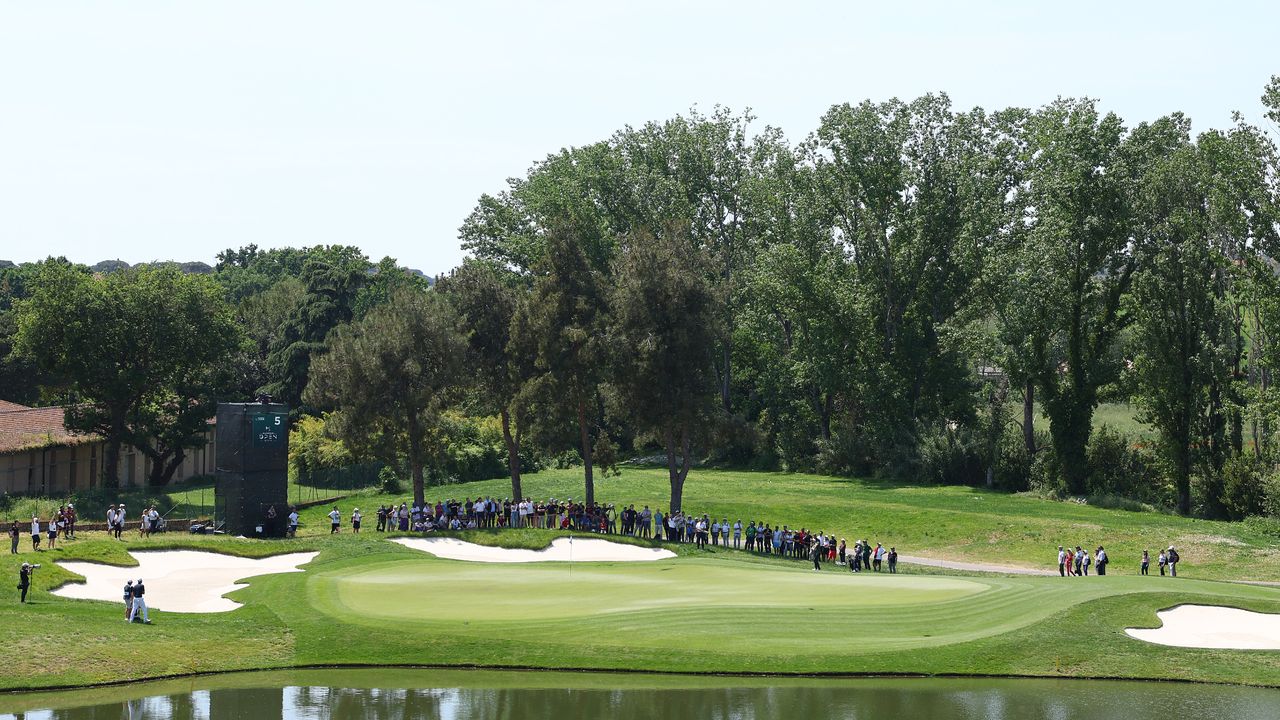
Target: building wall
[(63, 469)]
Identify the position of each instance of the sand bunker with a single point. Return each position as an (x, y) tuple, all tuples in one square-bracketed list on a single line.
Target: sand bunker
[(184, 581), (1207, 626), (582, 549)]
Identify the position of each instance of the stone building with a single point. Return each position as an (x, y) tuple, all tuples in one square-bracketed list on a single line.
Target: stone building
[(40, 456)]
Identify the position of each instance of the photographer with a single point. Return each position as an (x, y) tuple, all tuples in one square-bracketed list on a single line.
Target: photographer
[(24, 578)]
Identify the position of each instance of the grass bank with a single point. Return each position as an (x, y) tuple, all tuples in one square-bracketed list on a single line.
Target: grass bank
[(949, 523)]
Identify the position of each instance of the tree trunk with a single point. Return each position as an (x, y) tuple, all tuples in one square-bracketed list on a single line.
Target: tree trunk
[(1182, 477), (585, 437), (725, 378), (674, 473), (513, 455), (163, 466), (1070, 431), (1029, 419), (111, 465), (414, 429)]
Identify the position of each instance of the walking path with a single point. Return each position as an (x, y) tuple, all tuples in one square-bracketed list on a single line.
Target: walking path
[(977, 567)]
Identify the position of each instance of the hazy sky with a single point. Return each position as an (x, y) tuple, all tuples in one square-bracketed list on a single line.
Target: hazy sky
[(171, 130)]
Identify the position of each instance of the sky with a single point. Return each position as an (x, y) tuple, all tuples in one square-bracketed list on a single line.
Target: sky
[(149, 131)]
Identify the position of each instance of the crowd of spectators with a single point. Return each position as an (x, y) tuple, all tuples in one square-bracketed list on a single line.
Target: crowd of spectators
[(699, 529)]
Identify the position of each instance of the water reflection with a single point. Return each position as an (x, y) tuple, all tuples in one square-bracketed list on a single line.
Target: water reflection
[(753, 700)]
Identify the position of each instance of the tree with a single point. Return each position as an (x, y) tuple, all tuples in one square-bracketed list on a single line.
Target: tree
[(20, 379), (668, 325), (389, 375), (576, 192), (1079, 252), (143, 353), (333, 281), (1183, 330), (911, 192), (487, 299), (564, 326)]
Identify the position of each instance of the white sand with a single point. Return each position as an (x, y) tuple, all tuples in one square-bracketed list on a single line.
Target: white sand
[(1206, 626), (583, 550), (184, 581)]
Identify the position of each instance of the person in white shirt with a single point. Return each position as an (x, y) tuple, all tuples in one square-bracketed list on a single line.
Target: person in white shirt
[(335, 519), (139, 605), (293, 522), (35, 532), (355, 520), (737, 535), (120, 518)]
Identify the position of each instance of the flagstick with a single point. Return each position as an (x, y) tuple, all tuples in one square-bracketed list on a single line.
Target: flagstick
[(571, 554)]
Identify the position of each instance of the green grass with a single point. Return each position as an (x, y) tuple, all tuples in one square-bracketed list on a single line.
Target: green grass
[(366, 601), (1121, 417), (953, 523)]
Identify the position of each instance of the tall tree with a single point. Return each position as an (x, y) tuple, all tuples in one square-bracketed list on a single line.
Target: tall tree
[(389, 375), (667, 323), (564, 325), (1076, 263), (1183, 331), (143, 351), (333, 281), (911, 193), (487, 298)]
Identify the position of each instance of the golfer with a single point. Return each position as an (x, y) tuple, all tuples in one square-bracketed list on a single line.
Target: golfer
[(355, 520), (335, 519), (139, 604), (35, 532)]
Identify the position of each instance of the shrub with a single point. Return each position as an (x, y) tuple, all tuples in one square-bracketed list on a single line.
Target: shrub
[(1243, 492), (389, 481), (1118, 467), (951, 454)]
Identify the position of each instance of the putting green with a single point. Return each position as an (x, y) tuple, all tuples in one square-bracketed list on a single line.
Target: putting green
[(708, 604)]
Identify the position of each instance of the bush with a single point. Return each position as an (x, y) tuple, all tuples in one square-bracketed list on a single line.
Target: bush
[(472, 448), (1271, 495), (389, 481), (1243, 492), (950, 454), (1045, 478), (1118, 467)]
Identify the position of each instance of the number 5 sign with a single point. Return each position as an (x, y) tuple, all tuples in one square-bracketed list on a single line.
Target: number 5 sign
[(268, 429)]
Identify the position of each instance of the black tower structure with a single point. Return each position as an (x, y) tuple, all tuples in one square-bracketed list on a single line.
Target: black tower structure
[(253, 467)]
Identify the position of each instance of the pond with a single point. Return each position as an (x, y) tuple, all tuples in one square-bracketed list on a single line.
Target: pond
[(449, 694)]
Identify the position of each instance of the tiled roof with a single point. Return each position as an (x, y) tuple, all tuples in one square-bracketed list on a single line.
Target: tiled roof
[(24, 428)]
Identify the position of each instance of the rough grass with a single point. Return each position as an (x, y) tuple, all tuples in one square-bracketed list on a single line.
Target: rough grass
[(948, 522)]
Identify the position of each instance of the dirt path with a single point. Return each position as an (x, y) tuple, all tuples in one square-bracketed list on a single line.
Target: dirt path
[(975, 567)]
